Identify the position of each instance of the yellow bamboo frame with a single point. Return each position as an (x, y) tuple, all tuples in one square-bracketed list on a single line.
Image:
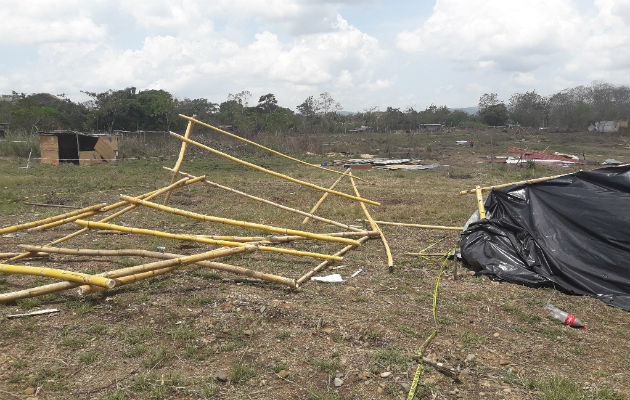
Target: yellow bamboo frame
[(321, 200), (375, 227), (57, 287), (149, 195), (271, 203), (243, 224), (58, 274), (242, 139), (270, 172), (166, 256), (178, 163), (15, 228), (141, 231)]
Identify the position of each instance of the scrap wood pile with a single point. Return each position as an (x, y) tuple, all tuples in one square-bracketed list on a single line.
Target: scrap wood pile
[(99, 217)]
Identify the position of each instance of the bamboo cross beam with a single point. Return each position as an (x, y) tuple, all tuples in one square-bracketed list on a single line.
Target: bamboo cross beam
[(165, 256), (70, 276), (178, 163), (525, 182), (140, 231), (149, 195), (271, 203), (63, 221), (57, 287), (324, 264), (273, 173), (439, 227), (242, 139), (15, 228), (375, 227), (243, 224), (321, 200)]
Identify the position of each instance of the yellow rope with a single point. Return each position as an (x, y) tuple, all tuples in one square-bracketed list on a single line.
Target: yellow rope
[(416, 377)]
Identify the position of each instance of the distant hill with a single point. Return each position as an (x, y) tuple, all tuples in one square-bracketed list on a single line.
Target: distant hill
[(467, 110)]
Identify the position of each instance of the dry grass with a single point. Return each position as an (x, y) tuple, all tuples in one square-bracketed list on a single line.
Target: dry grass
[(170, 337)]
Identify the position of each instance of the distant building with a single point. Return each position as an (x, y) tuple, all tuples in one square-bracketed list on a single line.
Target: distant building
[(430, 127), (362, 128), (607, 126), (77, 148)]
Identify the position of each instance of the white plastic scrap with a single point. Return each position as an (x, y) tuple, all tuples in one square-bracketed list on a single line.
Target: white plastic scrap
[(333, 278)]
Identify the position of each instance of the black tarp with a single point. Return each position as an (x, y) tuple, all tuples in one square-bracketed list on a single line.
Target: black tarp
[(572, 231)]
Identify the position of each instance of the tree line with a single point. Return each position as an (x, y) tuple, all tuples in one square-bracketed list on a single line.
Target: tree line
[(130, 110)]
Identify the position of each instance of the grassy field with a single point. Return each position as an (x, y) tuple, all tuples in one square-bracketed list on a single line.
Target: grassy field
[(191, 334)]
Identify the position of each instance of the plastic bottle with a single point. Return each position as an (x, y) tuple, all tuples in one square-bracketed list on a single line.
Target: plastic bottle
[(565, 317)]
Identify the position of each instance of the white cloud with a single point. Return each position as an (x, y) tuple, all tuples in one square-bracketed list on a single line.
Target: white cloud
[(33, 22), (508, 35)]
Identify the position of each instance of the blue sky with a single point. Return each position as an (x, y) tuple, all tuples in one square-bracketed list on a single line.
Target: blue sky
[(365, 53)]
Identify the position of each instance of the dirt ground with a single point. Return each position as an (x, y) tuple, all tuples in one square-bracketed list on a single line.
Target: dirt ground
[(198, 334)]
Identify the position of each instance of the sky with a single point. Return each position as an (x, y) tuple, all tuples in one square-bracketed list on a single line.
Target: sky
[(367, 54)]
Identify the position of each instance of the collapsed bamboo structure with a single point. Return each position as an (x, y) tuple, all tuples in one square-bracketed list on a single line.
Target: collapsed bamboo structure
[(230, 245)]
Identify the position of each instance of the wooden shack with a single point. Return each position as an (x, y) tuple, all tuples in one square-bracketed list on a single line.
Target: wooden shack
[(77, 148)]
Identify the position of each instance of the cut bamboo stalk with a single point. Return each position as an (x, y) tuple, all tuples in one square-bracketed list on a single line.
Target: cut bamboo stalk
[(273, 173), (57, 287), (324, 264), (63, 221), (525, 182), (482, 210), (178, 163), (154, 254), (58, 274), (149, 195), (274, 204), (375, 227), (321, 200), (449, 228), (243, 224), (140, 231), (214, 128), (27, 225)]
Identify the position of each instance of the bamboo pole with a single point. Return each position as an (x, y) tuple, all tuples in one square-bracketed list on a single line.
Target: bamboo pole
[(192, 119), (321, 200), (324, 264), (149, 195), (57, 287), (449, 228), (58, 274), (482, 210), (178, 163), (27, 225), (132, 274), (426, 254), (140, 231), (13, 254), (154, 254), (525, 182), (274, 204), (270, 172), (63, 221), (375, 227), (243, 224)]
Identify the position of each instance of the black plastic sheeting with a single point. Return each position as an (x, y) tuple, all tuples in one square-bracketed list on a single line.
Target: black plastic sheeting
[(572, 232)]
